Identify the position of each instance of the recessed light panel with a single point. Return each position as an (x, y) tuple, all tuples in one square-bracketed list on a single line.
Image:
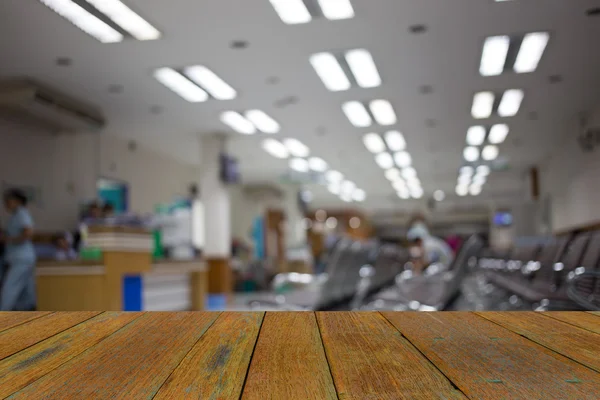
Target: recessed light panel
[(374, 143), (493, 57), (357, 114), (483, 104), (383, 112), (363, 68), (180, 85), (210, 82), (84, 20), (128, 20)]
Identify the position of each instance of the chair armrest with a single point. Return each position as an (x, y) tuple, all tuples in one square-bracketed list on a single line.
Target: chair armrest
[(276, 304), (294, 279), (589, 301)]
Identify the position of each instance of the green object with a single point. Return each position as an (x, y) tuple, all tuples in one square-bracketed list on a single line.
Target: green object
[(91, 254), (158, 248)]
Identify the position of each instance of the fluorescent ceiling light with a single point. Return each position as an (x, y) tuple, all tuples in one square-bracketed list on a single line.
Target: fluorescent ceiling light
[(336, 9), (346, 197), (317, 164), (392, 174), (395, 141), (403, 159), (374, 143), (384, 160), (180, 85), (348, 187), (399, 185), (475, 190), (329, 70), (471, 154), (483, 103), (357, 114), (214, 85), (238, 123), (498, 133), (531, 52), (334, 188), (479, 180), (383, 112), (299, 164), (475, 135), (262, 121), (466, 170), (123, 16), (483, 170), (363, 68), (275, 148), (464, 179), (291, 11), (409, 173), (489, 152), (85, 21), (416, 192), (493, 56), (404, 194), (462, 190), (510, 103), (359, 195), (334, 176), (296, 147), (413, 183), (439, 195)]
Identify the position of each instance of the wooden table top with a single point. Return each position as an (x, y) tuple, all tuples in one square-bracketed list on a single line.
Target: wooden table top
[(300, 355)]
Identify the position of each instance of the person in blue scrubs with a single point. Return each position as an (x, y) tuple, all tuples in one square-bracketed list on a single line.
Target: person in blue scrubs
[(18, 283)]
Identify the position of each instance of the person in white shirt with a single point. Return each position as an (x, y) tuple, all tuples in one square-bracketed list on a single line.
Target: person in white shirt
[(435, 250)]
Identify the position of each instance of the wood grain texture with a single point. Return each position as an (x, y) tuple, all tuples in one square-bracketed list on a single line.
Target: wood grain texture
[(25, 367), (581, 319), (369, 359), (22, 336), (289, 361), (576, 343), (216, 366), (130, 364), (8, 319), (487, 361)]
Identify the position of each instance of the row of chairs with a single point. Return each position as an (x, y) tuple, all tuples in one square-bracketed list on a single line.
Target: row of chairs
[(559, 274), (354, 270), (369, 276), (436, 289)]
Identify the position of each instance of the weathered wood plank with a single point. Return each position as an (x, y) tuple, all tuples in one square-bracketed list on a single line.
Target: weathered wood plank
[(8, 319), (25, 367), (576, 343), (487, 361), (216, 366), (289, 361), (24, 335), (581, 319), (369, 359), (132, 363)]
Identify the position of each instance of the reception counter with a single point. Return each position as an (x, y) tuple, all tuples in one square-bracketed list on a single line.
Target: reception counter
[(125, 279)]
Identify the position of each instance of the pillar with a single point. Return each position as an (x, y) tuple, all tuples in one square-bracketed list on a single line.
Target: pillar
[(217, 227)]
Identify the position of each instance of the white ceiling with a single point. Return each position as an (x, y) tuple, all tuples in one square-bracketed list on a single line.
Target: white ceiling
[(446, 57)]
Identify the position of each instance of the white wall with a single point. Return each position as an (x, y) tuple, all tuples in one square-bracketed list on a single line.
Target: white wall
[(63, 169), (572, 180)]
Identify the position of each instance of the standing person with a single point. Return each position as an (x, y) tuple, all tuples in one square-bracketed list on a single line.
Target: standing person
[(18, 284)]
